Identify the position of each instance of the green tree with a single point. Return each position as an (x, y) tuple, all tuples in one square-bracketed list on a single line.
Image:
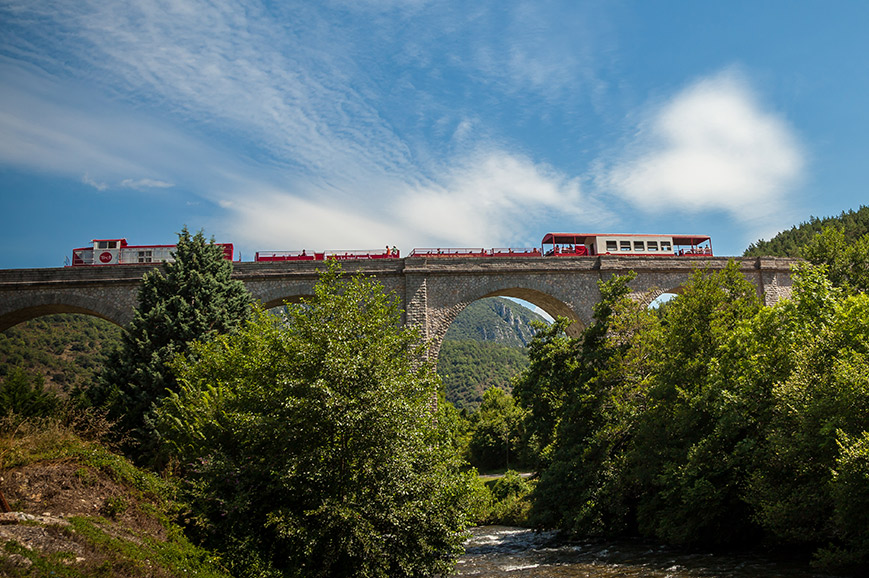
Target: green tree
[(190, 299), (846, 260), (542, 388), (804, 488), (23, 394), (565, 373), (688, 491), (497, 432), (311, 442)]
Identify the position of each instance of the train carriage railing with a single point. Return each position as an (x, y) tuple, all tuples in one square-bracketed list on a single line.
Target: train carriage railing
[(340, 255), (468, 252)]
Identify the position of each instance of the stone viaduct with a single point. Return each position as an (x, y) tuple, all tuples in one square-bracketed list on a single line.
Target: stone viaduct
[(431, 290)]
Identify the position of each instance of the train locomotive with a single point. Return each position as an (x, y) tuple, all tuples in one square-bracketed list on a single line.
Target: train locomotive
[(118, 252)]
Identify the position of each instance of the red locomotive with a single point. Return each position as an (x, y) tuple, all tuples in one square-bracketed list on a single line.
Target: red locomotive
[(118, 252)]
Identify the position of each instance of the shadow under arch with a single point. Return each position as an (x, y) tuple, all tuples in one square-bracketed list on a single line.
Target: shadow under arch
[(281, 301), (111, 315)]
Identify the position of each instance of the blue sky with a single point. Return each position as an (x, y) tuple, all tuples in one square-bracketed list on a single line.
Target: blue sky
[(356, 124)]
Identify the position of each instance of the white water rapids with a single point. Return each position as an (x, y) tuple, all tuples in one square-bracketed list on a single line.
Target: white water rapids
[(502, 551)]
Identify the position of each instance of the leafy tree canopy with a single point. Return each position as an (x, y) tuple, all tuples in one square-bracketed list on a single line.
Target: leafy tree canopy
[(854, 224), (311, 442)]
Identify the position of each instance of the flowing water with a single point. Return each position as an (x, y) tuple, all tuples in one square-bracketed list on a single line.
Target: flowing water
[(501, 551)]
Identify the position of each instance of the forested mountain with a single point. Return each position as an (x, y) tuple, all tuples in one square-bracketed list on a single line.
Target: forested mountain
[(495, 320), (788, 243), (484, 347), (68, 350)]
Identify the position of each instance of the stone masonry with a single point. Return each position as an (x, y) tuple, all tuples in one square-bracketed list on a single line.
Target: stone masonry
[(431, 291)]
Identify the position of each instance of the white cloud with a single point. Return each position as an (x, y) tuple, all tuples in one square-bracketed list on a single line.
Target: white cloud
[(143, 184), (86, 179), (488, 199), (712, 147), (494, 197), (282, 122)]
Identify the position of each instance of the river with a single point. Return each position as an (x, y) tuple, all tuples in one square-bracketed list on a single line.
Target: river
[(501, 551)]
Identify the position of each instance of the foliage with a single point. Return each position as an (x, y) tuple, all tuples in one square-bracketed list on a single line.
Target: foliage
[(69, 350), (23, 393), (310, 443), (145, 543), (502, 500), (854, 224), (846, 260), (713, 420), (497, 432), (573, 409), (468, 368), (814, 449), (541, 389), (681, 460), (192, 298)]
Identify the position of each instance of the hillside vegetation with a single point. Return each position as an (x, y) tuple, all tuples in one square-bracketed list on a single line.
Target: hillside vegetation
[(494, 319), (484, 348), (79, 510), (67, 350), (789, 243)]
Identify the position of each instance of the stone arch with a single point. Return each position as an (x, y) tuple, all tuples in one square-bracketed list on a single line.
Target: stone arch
[(648, 296), (279, 301), (441, 320), (274, 293), (50, 304)]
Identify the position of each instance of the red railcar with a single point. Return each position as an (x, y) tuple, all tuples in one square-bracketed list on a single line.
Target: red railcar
[(576, 244), (118, 252), (351, 255), (573, 244), (497, 252)]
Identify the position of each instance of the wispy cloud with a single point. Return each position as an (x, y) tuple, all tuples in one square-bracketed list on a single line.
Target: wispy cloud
[(145, 184), (495, 195), (711, 147)]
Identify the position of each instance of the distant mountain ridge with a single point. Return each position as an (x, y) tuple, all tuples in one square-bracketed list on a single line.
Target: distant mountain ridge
[(485, 347), (495, 320)]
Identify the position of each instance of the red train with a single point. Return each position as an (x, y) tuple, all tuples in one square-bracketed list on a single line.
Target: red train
[(118, 252), (576, 244), (354, 255), (571, 244)]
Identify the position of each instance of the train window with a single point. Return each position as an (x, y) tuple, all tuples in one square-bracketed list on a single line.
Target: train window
[(144, 256), (665, 246), (625, 245), (639, 246), (653, 245), (107, 244), (610, 245)]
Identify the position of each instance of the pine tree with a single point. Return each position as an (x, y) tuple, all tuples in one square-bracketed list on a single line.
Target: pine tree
[(190, 299)]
